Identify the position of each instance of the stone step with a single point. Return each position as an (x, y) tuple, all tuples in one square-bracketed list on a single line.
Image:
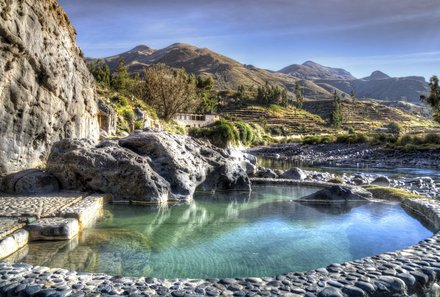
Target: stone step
[(13, 243), (53, 229)]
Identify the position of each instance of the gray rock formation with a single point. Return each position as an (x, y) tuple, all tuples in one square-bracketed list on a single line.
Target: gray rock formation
[(148, 167), (339, 194), (46, 91), (294, 173), (32, 181)]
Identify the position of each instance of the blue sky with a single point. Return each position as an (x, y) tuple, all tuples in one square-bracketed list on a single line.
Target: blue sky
[(399, 37)]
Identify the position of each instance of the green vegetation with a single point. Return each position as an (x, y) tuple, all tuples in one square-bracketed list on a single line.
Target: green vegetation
[(430, 141), (336, 180), (270, 94), (299, 96), (224, 133), (388, 193), (433, 99), (336, 116)]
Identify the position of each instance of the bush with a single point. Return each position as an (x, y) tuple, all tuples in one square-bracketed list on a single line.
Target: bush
[(120, 100), (352, 138), (395, 128), (432, 138), (224, 132), (318, 139), (336, 180)]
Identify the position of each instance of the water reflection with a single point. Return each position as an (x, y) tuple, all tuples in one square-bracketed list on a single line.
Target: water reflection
[(229, 235)]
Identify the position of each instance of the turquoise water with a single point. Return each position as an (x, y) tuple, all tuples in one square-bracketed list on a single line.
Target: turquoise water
[(232, 235)]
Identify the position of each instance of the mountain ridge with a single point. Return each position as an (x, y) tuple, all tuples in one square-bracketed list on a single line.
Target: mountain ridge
[(318, 81)]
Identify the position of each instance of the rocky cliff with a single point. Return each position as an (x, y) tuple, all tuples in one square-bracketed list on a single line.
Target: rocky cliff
[(46, 91)]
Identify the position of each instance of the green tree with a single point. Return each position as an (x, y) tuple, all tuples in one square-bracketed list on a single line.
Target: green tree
[(353, 95), (433, 99), (336, 116), (169, 90), (100, 71), (299, 95), (121, 78)]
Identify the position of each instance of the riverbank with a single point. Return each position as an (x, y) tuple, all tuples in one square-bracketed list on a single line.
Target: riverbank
[(348, 155)]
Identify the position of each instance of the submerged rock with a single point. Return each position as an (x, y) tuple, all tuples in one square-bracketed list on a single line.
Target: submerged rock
[(147, 166), (339, 194)]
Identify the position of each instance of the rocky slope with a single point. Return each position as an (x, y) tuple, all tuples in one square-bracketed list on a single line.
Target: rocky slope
[(149, 167), (227, 73), (46, 91)]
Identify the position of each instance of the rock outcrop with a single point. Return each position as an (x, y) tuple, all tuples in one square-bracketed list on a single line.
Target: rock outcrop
[(31, 181), (338, 194), (46, 91), (148, 167)]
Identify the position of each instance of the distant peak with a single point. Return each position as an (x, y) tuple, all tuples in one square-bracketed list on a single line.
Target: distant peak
[(182, 45), (141, 47), (378, 75), (311, 63)]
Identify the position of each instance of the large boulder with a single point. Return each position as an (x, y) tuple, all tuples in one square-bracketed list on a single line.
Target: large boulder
[(294, 173), (46, 91), (147, 166), (381, 181), (32, 181), (338, 194)]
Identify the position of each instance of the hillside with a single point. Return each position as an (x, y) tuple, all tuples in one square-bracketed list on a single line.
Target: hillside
[(363, 116), (228, 74)]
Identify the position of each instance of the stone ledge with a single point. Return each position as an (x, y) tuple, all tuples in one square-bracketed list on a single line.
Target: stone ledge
[(13, 243), (53, 229), (86, 210), (9, 226)]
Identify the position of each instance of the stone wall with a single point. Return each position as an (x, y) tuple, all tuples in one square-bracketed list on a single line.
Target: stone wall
[(46, 91)]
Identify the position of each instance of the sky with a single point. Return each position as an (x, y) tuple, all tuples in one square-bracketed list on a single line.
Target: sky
[(398, 37)]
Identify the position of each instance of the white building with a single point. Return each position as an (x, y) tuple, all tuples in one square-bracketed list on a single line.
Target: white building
[(195, 120)]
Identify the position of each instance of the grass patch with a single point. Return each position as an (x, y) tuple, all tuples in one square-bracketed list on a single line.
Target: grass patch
[(388, 193)]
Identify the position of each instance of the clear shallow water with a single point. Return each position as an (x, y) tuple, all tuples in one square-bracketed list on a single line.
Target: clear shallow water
[(390, 172), (231, 235)]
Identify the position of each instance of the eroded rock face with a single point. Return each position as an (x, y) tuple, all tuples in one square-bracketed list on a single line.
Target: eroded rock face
[(32, 181), (148, 166), (46, 91)]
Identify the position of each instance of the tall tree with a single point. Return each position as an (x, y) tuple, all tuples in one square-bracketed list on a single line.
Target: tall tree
[(169, 90), (121, 78), (299, 95), (336, 116), (433, 99), (100, 71)]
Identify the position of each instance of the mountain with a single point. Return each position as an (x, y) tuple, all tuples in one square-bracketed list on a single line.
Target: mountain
[(376, 75), (376, 86), (381, 86), (312, 71), (227, 73)]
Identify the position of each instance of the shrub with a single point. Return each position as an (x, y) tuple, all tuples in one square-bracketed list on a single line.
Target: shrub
[(352, 138), (119, 100), (336, 180), (432, 138), (395, 128)]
